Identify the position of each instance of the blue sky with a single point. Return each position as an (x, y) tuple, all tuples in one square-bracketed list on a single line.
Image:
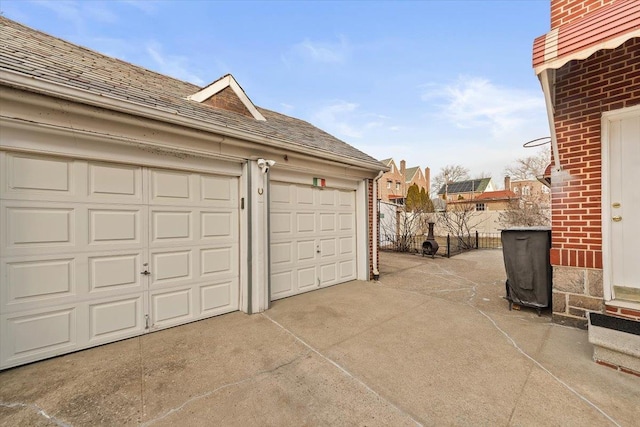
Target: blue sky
[(432, 82)]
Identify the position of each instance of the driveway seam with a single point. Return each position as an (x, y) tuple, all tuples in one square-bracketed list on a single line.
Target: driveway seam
[(345, 371)]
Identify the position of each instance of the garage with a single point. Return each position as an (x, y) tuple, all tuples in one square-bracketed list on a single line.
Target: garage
[(131, 201), (313, 237), (94, 252)]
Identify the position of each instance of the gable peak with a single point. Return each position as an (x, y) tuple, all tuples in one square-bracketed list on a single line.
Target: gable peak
[(225, 84)]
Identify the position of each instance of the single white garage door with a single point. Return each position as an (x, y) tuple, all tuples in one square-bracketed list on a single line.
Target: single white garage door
[(94, 252), (313, 238)]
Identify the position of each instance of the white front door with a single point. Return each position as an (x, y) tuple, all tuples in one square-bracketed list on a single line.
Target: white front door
[(621, 204), (313, 238)]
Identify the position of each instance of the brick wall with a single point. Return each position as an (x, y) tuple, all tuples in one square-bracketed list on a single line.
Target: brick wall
[(564, 11), (607, 80), (227, 99)]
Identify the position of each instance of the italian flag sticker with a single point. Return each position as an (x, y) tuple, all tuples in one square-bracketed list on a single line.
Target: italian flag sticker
[(319, 182)]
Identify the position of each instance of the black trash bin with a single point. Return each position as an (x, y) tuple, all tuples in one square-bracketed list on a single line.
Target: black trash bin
[(526, 259)]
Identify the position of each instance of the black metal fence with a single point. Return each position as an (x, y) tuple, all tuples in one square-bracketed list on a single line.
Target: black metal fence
[(448, 245)]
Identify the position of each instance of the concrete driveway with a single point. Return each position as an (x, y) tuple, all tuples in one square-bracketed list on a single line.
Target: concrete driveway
[(431, 343)]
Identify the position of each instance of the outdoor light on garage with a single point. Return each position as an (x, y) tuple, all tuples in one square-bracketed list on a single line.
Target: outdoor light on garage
[(319, 182)]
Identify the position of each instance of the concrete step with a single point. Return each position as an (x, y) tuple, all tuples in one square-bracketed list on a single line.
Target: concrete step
[(616, 342)]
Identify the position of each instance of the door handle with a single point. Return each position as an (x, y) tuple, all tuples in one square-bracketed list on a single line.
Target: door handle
[(617, 218), (145, 273)]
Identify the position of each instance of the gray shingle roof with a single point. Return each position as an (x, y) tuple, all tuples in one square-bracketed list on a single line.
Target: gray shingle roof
[(33, 53), (472, 185)]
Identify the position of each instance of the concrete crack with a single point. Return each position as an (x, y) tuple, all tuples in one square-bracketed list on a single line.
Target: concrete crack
[(38, 411), (222, 387), (344, 371), (538, 364)]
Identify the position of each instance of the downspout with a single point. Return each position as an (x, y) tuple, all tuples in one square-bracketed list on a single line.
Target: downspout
[(374, 244), (546, 76)]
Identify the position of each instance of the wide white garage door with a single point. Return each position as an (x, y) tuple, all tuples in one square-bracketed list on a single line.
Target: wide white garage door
[(313, 238), (94, 252)]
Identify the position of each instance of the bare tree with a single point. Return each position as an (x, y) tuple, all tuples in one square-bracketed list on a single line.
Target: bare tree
[(529, 167), (449, 173), (525, 214), (460, 219)]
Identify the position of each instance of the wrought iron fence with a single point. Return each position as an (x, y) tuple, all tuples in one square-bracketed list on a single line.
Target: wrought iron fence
[(448, 245)]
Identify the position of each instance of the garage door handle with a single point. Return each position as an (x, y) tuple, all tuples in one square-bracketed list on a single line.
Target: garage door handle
[(146, 272)]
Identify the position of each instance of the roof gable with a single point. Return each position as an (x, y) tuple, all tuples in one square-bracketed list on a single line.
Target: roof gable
[(225, 93), (411, 172)]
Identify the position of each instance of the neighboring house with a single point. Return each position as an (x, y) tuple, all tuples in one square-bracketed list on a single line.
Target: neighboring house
[(467, 190), (394, 184), (529, 190), (131, 201), (494, 200), (588, 65)]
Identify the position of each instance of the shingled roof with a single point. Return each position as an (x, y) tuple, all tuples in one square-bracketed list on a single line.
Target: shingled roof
[(41, 57), (469, 186)]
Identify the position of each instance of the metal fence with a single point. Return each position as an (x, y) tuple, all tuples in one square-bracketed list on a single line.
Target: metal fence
[(448, 245)]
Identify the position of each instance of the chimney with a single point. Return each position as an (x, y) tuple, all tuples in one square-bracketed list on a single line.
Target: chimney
[(403, 166), (507, 183), (427, 179)]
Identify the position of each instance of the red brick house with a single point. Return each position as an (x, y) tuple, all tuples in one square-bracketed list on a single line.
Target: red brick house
[(589, 68), (394, 184)]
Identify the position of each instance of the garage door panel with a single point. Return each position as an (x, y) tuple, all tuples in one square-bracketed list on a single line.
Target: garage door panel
[(281, 253), (305, 222), (307, 278), (167, 226), (280, 194), (110, 181), (172, 307), (304, 195), (110, 320), (41, 332), (115, 226), (171, 187), (347, 246), (39, 226), (114, 272), (219, 189), (327, 247), (218, 297), (347, 199), (328, 197), (347, 270), (328, 274), (347, 222), (327, 222), (282, 283), (215, 225), (306, 250), (281, 224), (29, 173), (174, 265), (218, 261), (29, 281)]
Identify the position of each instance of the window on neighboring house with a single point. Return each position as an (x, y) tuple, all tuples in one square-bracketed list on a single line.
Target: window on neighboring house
[(481, 207), (526, 190), (545, 189), (392, 169), (388, 184), (516, 190), (397, 185)]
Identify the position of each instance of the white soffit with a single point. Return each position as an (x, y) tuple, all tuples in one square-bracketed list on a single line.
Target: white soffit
[(223, 83)]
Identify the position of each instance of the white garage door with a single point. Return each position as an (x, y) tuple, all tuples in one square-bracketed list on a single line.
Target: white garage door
[(313, 238), (77, 238)]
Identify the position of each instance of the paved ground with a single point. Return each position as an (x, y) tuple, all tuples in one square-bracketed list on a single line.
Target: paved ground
[(432, 343)]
